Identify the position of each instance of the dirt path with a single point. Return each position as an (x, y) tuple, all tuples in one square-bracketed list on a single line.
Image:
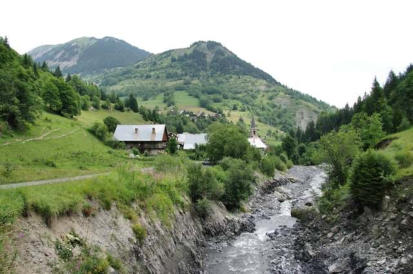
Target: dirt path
[(52, 181)]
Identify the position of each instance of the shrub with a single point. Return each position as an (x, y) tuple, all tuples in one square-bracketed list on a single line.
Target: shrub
[(99, 130), (289, 164), (203, 183), (115, 263), (172, 146), (95, 265), (371, 176), (115, 144), (267, 166), (63, 250), (111, 123), (237, 186), (404, 158), (203, 208), (140, 232)]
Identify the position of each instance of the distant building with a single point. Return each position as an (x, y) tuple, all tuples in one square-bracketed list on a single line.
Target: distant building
[(190, 141), (254, 140), (147, 138)]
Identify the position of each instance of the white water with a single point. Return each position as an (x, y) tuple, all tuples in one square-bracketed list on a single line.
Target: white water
[(252, 252)]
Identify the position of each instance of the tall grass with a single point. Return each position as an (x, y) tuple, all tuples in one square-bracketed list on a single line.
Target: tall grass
[(124, 187)]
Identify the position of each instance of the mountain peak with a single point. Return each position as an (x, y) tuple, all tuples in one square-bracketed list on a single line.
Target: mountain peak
[(89, 55)]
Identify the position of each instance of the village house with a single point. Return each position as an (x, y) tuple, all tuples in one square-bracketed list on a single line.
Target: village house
[(189, 141), (146, 138), (254, 140)]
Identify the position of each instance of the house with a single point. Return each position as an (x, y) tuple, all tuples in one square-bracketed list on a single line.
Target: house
[(254, 140), (147, 138), (190, 141)]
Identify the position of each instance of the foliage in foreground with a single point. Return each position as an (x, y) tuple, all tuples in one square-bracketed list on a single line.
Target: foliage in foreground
[(371, 176)]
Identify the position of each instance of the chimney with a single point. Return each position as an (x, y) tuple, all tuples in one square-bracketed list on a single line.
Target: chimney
[(136, 130), (153, 130)]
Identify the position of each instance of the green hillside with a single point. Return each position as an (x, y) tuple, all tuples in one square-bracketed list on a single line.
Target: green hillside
[(208, 77), (88, 55), (58, 147)]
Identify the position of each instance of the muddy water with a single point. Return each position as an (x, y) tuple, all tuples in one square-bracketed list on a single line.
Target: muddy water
[(270, 248)]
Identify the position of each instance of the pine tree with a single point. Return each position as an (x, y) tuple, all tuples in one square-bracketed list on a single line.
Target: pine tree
[(132, 103), (58, 72), (44, 66)]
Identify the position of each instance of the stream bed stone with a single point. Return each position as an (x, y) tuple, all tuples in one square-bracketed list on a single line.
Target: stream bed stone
[(269, 248)]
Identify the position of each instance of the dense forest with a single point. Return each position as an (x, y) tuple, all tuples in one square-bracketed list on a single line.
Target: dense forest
[(393, 102)]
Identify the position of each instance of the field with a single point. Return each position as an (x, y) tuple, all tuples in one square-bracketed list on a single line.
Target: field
[(59, 147), (401, 149)]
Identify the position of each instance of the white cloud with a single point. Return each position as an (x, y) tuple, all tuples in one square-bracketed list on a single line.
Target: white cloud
[(329, 49)]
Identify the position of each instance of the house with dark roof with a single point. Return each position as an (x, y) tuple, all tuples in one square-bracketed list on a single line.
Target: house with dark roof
[(147, 138)]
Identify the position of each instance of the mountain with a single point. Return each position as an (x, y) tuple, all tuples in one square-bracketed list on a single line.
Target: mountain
[(89, 55), (208, 77)]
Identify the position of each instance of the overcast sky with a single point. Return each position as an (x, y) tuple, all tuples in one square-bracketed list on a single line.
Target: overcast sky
[(329, 49)]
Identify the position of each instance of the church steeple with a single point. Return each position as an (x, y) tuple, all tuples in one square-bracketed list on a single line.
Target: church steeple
[(253, 130)]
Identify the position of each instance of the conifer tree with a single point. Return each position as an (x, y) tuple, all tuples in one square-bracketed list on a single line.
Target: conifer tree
[(58, 72)]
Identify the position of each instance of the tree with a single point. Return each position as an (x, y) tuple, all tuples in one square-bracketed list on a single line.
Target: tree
[(237, 186), (111, 123), (132, 103), (289, 145), (371, 176), (339, 149), (172, 146), (51, 97), (203, 183), (226, 140), (58, 72), (369, 128)]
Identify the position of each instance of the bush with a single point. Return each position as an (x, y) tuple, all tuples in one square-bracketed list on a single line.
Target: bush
[(270, 163), (203, 208), (404, 158), (140, 232), (111, 123), (203, 183), (289, 164), (172, 146), (371, 176), (238, 183), (99, 130), (267, 166), (115, 144)]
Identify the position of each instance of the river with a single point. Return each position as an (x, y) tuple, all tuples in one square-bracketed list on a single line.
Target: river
[(270, 248)]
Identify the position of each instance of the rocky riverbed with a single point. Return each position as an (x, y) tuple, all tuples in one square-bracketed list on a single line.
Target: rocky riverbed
[(268, 239), (267, 245)]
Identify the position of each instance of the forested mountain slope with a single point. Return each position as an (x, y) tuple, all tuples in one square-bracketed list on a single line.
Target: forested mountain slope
[(208, 77), (88, 55)]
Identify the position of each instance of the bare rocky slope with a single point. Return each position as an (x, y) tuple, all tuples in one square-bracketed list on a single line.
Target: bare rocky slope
[(373, 242)]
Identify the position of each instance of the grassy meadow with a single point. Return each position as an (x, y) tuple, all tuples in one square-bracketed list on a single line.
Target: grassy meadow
[(401, 149), (59, 147)]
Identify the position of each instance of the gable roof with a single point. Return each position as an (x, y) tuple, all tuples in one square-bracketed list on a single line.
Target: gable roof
[(190, 140), (257, 142), (144, 133)]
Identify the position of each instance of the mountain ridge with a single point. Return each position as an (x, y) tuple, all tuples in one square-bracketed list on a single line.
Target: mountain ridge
[(84, 55)]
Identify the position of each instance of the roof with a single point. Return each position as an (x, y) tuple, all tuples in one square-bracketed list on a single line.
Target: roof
[(190, 140), (144, 133), (257, 142)]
